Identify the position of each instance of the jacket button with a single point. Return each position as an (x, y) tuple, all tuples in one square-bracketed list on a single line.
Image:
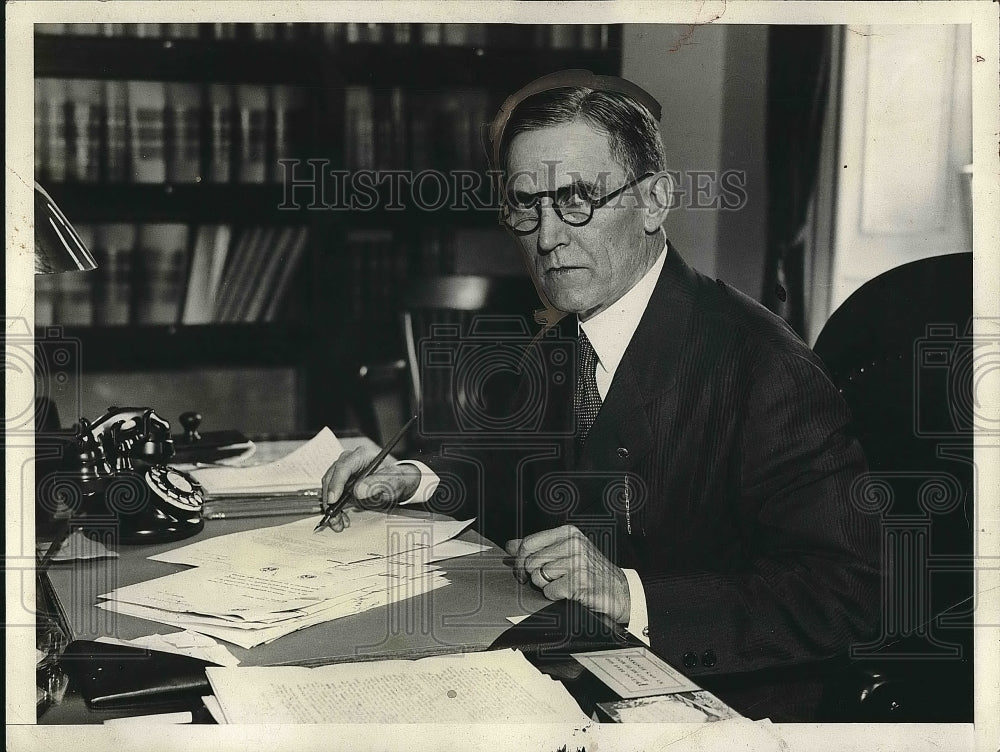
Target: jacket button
[(690, 659), (623, 452), (708, 658)]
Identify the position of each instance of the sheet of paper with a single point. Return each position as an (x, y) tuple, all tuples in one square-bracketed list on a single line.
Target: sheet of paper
[(452, 549), (301, 470), (186, 642), (168, 718), (78, 546), (271, 594), (492, 687), (249, 636), (214, 709), (371, 534), (635, 672)]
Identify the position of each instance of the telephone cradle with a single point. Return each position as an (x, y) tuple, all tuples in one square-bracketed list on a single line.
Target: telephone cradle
[(113, 470)]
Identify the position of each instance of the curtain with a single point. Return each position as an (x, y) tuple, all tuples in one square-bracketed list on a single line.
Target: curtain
[(799, 66)]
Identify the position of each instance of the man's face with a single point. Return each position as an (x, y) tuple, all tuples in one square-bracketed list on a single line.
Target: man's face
[(583, 269)]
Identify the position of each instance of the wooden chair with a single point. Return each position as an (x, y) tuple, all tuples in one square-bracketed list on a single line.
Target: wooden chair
[(439, 314)]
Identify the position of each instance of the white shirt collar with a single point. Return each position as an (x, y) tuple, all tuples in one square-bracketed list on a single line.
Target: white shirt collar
[(611, 330)]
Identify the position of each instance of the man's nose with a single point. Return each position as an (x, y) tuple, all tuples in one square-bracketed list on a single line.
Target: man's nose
[(551, 230)]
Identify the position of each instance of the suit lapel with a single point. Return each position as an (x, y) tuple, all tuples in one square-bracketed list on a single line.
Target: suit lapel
[(622, 435)]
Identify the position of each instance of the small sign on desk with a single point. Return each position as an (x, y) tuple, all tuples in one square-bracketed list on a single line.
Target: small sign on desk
[(635, 672)]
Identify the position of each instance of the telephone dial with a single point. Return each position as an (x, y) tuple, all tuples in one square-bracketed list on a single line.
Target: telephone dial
[(116, 468)]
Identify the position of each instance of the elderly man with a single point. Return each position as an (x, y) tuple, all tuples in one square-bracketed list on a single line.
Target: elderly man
[(731, 544)]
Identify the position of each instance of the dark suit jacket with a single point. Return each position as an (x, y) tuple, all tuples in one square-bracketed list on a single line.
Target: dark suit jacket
[(740, 464)]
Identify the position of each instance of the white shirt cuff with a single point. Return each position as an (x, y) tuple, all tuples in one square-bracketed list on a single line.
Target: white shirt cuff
[(428, 483), (638, 619)]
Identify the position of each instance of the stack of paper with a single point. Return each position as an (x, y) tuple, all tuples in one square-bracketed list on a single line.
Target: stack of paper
[(297, 473), (498, 686), (253, 587)]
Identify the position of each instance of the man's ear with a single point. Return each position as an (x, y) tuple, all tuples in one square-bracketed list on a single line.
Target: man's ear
[(661, 187)]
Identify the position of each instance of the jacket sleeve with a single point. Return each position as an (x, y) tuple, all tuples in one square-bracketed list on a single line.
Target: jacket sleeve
[(810, 588)]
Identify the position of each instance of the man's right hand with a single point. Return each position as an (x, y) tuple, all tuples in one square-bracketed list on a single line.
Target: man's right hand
[(385, 487)]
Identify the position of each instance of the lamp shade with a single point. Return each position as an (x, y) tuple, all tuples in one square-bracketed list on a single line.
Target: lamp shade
[(58, 248)]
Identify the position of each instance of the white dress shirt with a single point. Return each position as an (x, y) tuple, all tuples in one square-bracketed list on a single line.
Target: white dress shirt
[(610, 332)]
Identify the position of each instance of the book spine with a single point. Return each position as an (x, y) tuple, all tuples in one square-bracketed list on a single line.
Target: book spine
[(52, 93), (148, 30), (263, 31), (183, 155), (252, 101), (333, 35), (431, 33), (221, 124), (286, 275), (180, 30), (221, 245), (563, 36), (45, 299), (262, 287), (160, 259), (41, 136), (114, 243), (83, 29), (147, 107), (359, 129), (456, 34), (91, 149), (75, 305), (289, 117), (402, 33), (117, 167), (590, 36), (224, 31)]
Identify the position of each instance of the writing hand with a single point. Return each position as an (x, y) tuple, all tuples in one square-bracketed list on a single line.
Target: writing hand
[(383, 488), (564, 564)]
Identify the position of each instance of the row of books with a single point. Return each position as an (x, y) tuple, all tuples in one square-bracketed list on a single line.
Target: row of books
[(169, 273), (156, 132), (416, 130), (540, 36), (380, 262)]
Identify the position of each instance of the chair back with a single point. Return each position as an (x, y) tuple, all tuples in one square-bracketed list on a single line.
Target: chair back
[(901, 351), (441, 315)]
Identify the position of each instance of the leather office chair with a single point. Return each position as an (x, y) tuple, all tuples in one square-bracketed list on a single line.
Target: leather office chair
[(439, 315), (900, 351)]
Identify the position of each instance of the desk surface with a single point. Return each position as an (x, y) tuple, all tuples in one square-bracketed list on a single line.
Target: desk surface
[(468, 614)]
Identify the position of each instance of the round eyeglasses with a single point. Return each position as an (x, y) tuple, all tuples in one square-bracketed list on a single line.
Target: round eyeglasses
[(572, 205)]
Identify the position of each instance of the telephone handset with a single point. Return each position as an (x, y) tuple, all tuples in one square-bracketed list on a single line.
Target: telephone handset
[(117, 462)]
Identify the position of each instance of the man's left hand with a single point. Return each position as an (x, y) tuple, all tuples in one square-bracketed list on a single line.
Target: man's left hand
[(564, 564)]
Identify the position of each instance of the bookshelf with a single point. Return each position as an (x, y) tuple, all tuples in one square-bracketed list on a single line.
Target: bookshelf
[(354, 96)]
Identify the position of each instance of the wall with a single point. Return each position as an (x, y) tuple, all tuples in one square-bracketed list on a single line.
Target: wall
[(712, 84), (906, 135)]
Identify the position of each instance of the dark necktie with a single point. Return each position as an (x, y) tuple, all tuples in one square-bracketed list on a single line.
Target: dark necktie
[(587, 400)]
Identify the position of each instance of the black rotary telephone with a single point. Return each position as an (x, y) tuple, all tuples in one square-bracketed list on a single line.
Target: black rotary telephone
[(114, 469)]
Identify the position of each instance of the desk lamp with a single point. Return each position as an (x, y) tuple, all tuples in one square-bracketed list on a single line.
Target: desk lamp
[(58, 247)]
